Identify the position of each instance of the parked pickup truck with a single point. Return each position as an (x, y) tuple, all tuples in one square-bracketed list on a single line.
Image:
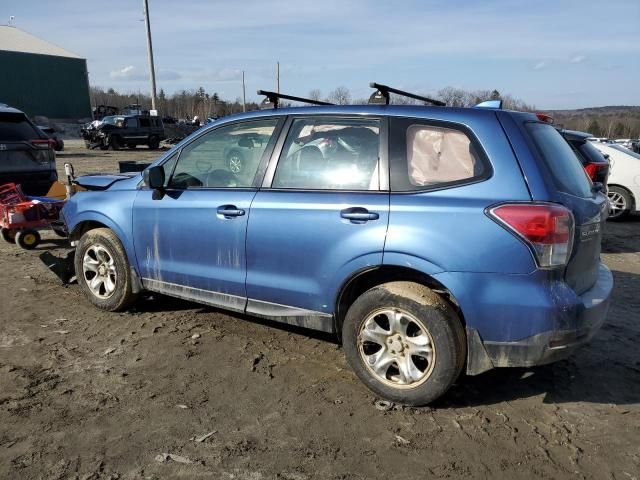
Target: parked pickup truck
[(119, 131)]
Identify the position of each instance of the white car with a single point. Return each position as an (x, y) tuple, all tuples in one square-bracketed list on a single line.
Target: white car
[(624, 180)]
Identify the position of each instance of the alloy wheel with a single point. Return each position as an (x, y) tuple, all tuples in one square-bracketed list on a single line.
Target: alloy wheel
[(396, 348), (99, 271), (617, 204)]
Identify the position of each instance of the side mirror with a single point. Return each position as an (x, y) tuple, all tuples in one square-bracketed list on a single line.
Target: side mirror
[(154, 177)]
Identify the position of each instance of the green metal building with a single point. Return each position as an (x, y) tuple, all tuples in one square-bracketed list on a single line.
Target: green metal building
[(40, 78)]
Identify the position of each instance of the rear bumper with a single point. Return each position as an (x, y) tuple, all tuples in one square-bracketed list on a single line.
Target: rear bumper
[(564, 321)]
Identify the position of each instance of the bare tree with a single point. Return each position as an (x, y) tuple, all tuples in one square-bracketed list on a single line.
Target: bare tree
[(340, 96), (315, 94)]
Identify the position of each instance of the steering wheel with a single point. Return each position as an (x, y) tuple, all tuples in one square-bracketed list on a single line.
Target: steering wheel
[(221, 179), (204, 165)]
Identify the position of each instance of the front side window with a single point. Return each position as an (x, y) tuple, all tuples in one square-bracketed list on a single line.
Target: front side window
[(330, 154), (131, 123), (227, 157)]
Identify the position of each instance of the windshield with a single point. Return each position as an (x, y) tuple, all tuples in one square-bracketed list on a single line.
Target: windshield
[(567, 171), (625, 150), (112, 120)]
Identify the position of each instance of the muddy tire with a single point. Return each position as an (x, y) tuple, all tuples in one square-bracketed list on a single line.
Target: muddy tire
[(404, 342), (620, 203), (103, 270), (27, 239), (9, 235), (154, 143)]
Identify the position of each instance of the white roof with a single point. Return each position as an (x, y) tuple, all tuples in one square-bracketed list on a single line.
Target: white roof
[(15, 40)]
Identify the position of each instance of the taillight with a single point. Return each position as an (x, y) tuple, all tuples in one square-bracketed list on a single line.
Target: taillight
[(547, 229), (593, 169), (42, 143)]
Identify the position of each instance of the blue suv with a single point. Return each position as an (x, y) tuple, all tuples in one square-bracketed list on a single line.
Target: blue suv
[(431, 240)]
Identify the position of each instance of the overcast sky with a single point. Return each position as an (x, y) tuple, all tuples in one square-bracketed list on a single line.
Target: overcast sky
[(554, 54)]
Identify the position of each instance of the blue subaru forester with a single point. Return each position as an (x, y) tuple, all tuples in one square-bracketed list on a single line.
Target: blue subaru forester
[(432, 240)]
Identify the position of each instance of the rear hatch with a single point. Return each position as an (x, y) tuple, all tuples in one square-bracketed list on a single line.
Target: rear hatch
[(570, 186), (26, 155)]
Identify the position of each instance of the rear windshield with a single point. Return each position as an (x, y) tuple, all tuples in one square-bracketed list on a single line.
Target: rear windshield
[(592, 153), (14, 127), (568, 174)]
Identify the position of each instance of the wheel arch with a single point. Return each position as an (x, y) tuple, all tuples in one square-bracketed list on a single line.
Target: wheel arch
[(366, 279), (477, 359), (97, 220), (85, 226)]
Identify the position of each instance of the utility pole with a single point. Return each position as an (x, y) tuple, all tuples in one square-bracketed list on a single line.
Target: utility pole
[(152, 70), (278, 76), (244, 94)]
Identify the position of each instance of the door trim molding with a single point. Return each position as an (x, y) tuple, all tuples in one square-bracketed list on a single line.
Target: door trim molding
[(299, 317), (208, 297), (296, 316)]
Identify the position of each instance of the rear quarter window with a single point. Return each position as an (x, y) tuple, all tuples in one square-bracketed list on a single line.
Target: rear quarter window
[(14, 127), (563, 164), (426, 156)]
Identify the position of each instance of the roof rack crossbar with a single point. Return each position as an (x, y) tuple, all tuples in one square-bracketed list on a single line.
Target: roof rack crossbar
[(384, 91), (274, 97)]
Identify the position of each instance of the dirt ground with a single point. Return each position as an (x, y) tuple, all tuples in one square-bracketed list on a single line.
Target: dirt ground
[(86, 394)]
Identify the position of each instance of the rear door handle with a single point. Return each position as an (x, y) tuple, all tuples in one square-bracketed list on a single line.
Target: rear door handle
[(358, 214), (230, 211)]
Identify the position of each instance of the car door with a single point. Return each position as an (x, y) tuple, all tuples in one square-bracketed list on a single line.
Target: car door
[(321, 215), (190, 237), (131, 130)]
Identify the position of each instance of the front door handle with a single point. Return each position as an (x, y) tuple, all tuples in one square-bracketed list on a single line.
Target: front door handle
[(358, 214), (230, 211)]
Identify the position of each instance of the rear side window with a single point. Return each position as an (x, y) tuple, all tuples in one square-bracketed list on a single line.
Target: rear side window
[(144, 122), (14, 127), (567, 171), (425, 156)]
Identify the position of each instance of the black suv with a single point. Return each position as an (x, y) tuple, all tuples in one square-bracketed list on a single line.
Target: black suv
[(594, 162), (27, 155), (118, 131)]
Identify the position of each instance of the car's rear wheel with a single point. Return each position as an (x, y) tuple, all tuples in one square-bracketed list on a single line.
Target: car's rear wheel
[(620, 203), (154, 143), (103, 270), (114, 141), (404, 342)]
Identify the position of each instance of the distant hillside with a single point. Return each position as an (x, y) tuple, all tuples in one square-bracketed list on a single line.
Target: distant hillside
[(617, 121), (609, 110)]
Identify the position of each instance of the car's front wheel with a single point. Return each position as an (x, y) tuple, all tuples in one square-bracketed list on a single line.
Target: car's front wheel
[(404, 342), (103, 271)]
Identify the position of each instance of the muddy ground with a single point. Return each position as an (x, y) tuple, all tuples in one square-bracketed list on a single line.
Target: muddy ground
[(88, 394)]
